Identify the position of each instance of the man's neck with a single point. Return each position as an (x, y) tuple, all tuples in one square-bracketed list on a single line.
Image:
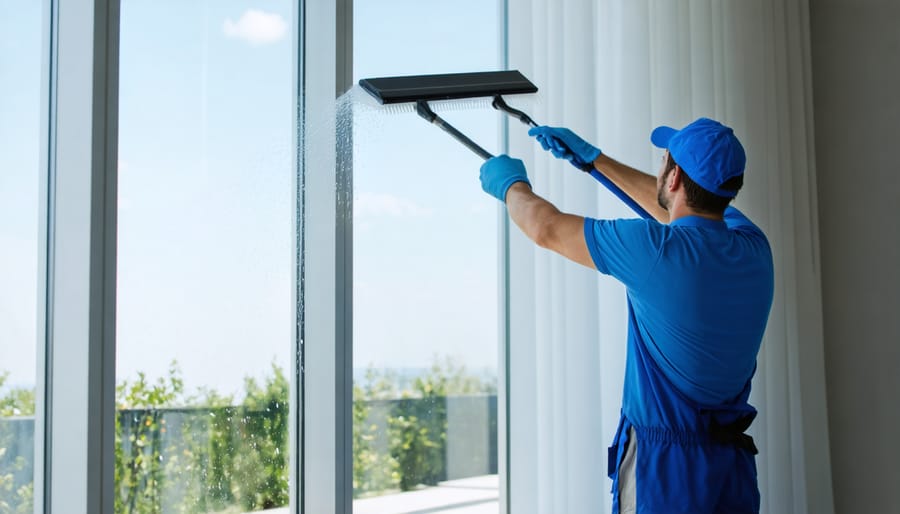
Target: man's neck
[(680, 209)]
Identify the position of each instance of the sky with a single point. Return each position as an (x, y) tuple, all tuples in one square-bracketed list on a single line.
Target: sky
[(205, 191), (20, 40)]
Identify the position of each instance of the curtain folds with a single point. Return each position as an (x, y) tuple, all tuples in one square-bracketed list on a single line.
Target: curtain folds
[(611, 71)]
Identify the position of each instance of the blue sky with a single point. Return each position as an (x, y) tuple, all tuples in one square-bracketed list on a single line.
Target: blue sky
[(205, 190), (20, 69)]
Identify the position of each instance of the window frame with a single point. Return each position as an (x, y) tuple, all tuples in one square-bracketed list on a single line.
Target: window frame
[(75, 411), (75, 390), (325, 237), (327, 258)]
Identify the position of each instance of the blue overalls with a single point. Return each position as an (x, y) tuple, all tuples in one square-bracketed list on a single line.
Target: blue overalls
[(699, 293), (690, 459)]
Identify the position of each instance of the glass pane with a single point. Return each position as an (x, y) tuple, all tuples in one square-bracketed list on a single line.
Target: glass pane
[(204, 313), (21, 57), (425, 328)]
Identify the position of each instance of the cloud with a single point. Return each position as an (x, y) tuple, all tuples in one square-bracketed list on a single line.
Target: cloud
[(382, 204), (257, 27)]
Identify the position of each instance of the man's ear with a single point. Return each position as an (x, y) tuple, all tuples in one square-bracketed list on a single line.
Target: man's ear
[(675, 180)]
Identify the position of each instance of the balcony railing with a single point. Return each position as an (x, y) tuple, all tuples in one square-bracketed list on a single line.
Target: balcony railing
[(422, 455)]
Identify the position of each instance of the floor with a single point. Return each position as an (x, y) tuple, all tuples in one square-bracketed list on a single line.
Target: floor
[(476, 495)]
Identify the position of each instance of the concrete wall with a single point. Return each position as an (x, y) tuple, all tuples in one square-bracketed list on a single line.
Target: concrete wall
[(856, 89)]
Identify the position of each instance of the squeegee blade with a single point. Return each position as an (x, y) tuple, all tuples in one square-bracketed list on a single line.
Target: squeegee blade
[(450, 86)]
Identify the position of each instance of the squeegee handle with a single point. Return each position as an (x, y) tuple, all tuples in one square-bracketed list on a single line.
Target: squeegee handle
[(423, 110), (462, 138)]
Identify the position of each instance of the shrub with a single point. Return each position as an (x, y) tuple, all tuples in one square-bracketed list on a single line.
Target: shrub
[(203, 453), (14, 499)]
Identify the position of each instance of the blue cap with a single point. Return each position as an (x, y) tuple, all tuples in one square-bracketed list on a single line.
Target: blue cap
[(706, 150)]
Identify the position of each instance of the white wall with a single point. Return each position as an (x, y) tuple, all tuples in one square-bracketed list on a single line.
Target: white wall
[(856, 88)]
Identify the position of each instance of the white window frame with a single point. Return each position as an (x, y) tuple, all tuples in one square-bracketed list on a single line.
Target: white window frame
[(504, 310), (326, 290), (75, 419), (75, 396), (325, 297)]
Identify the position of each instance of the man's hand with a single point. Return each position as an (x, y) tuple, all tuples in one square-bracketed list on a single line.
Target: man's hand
[(499, 173), (565, 144)]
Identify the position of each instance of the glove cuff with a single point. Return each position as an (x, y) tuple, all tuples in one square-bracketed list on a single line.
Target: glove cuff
[(508, 184)]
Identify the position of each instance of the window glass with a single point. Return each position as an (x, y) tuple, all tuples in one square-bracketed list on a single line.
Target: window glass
[(425, 280), (21, 58), (204, 314)]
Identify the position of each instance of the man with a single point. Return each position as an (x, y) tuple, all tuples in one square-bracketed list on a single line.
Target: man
[(699, 282)]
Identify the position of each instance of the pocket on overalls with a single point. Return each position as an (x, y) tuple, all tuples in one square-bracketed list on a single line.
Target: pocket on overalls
[(614, 456)]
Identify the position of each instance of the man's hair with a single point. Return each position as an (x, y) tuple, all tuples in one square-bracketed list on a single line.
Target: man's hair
[(702, 200)]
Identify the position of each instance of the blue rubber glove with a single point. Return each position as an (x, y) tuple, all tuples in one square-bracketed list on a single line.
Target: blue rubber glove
[(501, 172), (565, 144)]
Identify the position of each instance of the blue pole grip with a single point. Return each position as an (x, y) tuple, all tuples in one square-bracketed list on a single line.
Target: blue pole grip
[(619, 193), (614, 189)]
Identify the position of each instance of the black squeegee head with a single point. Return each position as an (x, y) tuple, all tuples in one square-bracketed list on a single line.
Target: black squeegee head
[(450, 86)]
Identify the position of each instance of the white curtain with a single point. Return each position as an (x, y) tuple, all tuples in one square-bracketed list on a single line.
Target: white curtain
[(611, 71)]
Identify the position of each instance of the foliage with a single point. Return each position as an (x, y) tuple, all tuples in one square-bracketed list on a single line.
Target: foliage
[(14, 402), (417, 444), (207, 445), (416, 425), (205, 453), (14, 500), (141, 469), (18, 401), (209, 448), (449, 378), (224, 455), (263, 471), (374, 470)]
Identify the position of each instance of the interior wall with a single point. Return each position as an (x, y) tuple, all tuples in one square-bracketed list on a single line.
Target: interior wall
[(856, 72)]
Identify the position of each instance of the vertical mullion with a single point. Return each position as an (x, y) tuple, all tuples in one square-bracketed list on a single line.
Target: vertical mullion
[(79, 382), (327, 316), (503, 371), (45, 193), (296, 403), (344, 261)]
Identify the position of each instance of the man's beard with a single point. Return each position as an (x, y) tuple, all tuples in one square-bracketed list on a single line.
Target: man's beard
[(660, 196)]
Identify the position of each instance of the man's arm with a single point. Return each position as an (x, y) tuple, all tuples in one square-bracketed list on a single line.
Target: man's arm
[(547, 226), (640, 186), (565, 144)]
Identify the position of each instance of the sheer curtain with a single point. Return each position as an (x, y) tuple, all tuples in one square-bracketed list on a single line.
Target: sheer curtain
[(611, 71)]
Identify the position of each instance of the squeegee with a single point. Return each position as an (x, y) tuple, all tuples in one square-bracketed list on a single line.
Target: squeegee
[(421, 89)]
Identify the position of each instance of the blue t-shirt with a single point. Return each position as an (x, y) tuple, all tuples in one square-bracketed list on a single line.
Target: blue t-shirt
[(700, 292)]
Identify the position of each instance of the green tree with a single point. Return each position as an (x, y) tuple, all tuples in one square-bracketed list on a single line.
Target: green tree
[(14, 402), (262, 467), (416, 426), (374, 469), (142, 463), (224, 456), (17, 401)]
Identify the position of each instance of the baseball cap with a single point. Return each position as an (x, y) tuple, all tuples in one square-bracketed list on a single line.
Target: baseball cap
[(706, 150)]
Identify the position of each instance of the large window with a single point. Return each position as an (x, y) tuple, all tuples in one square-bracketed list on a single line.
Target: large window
[(20, 105), (204, 321), (193, 329), (425, 277)]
